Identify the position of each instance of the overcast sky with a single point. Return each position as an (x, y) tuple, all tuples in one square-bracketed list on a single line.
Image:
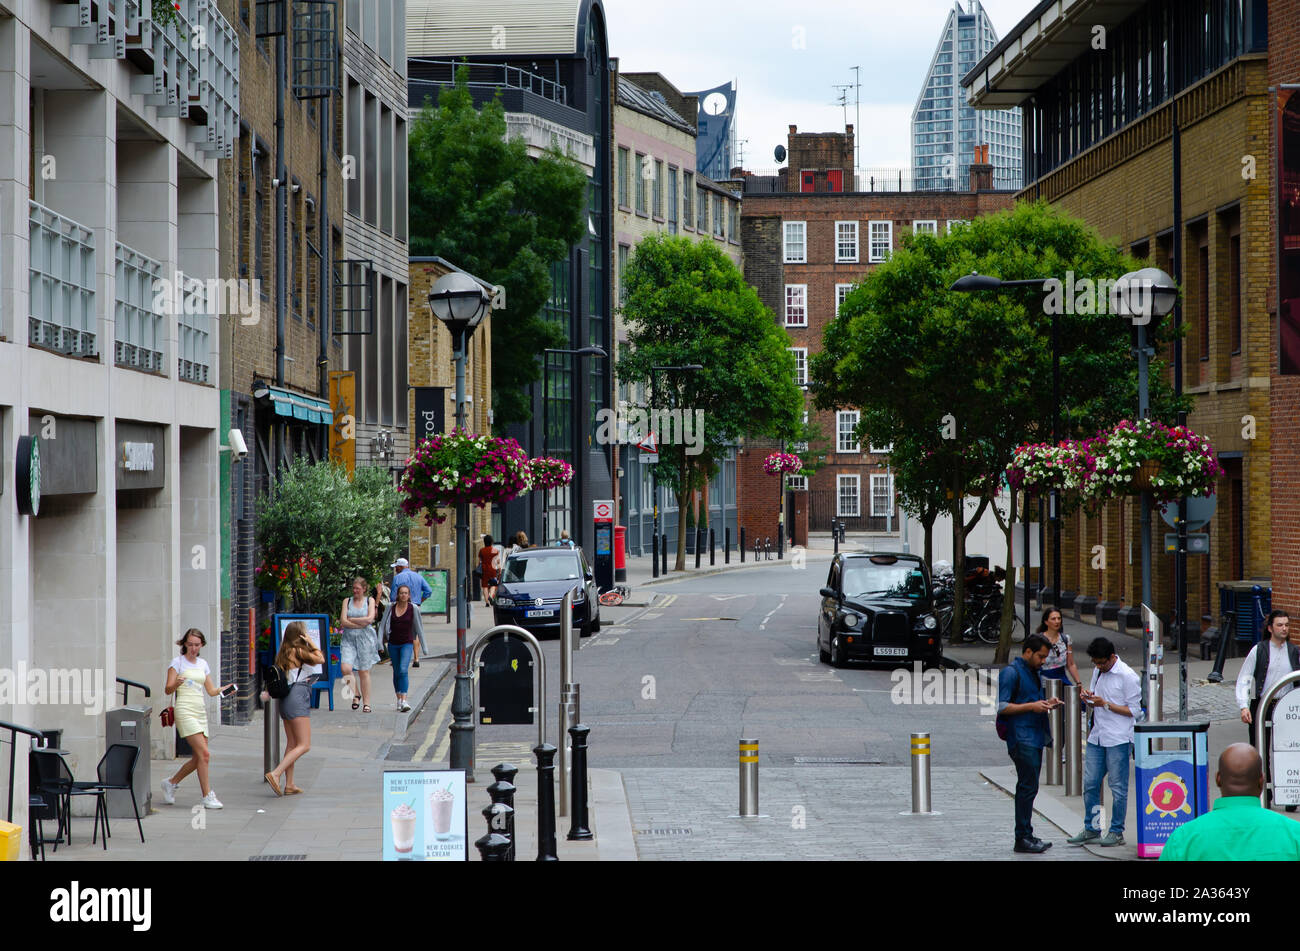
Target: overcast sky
[(698, 44)]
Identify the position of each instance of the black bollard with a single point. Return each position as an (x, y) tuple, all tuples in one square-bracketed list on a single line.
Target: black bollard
[(654, 556), (503, 791), (726, 545), (835, 535), (493, 847), (500, 819), (546, 802), (742, 544), (698, 538), (665, 552), (713, 552), (767, 548), (780, 542), (578, 830)]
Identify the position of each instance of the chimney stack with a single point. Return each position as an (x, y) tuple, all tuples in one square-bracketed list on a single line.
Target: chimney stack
[(981, 171)]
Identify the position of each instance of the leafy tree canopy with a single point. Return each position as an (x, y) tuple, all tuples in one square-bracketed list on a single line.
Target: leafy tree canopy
[(478, 200)]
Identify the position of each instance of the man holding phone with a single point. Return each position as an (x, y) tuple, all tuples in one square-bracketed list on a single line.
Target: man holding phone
[(1115, 695), (1023, 711)]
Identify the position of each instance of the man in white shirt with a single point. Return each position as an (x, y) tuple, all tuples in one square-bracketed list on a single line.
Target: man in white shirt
[(1115, 695), (1266, 663)]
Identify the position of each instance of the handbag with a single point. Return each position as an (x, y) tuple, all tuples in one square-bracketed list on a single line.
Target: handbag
[(168, 716), (277, 684)]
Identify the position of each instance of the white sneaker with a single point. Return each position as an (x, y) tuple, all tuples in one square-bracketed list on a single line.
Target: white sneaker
[(404, 707), (169, 791), (210, 801)]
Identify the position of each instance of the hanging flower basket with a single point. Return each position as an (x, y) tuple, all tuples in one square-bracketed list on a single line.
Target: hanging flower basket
[(545, 473), (448, 469), (779, 462), (1147, 471), (1040, 468)]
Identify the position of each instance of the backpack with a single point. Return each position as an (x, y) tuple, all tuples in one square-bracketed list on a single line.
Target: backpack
[(277, 684)]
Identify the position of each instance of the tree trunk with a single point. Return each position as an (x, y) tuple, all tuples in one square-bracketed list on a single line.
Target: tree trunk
[(958, 515), (1003, 653), (683, 501), (927, 522)]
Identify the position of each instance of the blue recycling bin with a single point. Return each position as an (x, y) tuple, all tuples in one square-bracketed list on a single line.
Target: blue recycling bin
[(1171, 780)]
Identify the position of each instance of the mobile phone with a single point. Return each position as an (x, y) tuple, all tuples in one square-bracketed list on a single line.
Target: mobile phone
[(228, 691)]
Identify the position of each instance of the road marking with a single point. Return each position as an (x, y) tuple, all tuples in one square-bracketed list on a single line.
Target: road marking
[(727, 597), (816, 675), (653, 614), (601, 643), (870, 690), (792, 661), (710, 619), (668, 599), (433, 727)]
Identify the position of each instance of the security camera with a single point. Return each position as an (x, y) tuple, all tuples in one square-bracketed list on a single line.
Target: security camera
[(275, 183), (296, 188), (238, 448), (311, 204)]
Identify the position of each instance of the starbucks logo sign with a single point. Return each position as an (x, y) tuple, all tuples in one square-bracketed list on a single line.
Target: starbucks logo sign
[(27, 472)]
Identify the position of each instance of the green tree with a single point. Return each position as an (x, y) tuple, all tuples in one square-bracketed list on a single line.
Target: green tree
[(478, 200), (970, 374), (687, 303), (349, 527)]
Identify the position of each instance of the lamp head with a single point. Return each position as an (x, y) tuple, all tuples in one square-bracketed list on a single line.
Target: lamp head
[(974, 281), (458, 301)]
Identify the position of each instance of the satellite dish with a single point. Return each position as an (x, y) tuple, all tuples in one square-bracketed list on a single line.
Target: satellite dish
[(780, 153)]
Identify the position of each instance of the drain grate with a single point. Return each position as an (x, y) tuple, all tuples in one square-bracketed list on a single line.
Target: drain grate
[(278, 858), (663, 831), (835, 761)]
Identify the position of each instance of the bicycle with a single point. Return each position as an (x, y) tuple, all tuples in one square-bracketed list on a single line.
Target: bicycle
[(616, 596)]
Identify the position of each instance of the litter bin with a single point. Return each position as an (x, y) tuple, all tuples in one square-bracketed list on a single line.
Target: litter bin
[(1171, 779), (11, 842), (130, 727)]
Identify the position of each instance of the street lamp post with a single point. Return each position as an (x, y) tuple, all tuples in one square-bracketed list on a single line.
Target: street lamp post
[(546, 419), (460, 302), (654, 478)]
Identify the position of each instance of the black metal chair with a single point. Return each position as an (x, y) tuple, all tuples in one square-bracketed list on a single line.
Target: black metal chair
[(55, 778), (116, 770), (40, 806)]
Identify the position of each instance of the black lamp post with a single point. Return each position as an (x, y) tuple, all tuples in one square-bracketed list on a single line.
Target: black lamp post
[(546, 417), (690, 367), (460, 302)]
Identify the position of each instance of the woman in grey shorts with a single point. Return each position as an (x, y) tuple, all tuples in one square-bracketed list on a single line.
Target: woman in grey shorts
[(300, 660), (359, 645)]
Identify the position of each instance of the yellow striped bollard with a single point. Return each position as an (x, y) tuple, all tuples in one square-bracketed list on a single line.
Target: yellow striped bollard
[(748, 779), (920, 773)]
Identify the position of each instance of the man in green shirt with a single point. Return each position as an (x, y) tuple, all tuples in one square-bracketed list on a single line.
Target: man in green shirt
[(1238, 828)]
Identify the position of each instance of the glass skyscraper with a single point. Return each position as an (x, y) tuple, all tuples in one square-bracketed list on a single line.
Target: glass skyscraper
[(945, 130)]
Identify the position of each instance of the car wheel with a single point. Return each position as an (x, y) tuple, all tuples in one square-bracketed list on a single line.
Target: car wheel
[(595, 625), (837, 654), (584, 630)]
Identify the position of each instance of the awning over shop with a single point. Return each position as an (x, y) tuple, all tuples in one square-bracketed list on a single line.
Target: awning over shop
[(296, 405)]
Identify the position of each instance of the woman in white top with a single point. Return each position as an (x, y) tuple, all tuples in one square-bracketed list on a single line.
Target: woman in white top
[(359, 647), (188, 677)]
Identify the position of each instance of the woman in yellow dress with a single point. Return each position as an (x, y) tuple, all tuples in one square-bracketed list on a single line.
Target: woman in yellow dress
[(189, 678)]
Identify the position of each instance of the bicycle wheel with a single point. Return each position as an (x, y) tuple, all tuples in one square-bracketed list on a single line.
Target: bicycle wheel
[(1017, 629), (989, 627)]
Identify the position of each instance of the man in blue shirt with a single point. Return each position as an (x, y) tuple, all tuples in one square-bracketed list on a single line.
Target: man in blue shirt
[(1023, 710), (419, 591)]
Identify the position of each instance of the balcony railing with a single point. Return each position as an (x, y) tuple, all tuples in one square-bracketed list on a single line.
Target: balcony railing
[(192, 357), (190, 67), (61, 284), (140, 330)]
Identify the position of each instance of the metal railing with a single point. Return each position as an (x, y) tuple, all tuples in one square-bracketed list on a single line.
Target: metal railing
[(14, 729), (139, 330), (61, 282), (128, 684), (768, 181), (442, 72)]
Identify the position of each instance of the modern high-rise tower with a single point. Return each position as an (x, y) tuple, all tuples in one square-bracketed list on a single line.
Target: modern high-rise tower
[(945, 130)]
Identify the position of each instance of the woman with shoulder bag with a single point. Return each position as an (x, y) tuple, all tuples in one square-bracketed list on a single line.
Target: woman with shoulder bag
[(189, 678), (300, 661), (399, 630), (359, 650)]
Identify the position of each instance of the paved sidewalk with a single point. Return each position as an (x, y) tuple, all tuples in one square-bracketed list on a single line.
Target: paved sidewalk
[(338, 815)]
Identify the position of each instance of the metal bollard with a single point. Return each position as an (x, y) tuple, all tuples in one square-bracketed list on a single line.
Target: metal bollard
[(503, 791), (699, 537), (742, 544), (835, 535), (500, 819), (664, 553), (1073, 742), (767, 548), (578, 829), (654, 556), (545, 754), (920, 774), (748, 779), (493, 848), (567, 718), (780, 541), (713, 551), (1055, 724), (726, 545)]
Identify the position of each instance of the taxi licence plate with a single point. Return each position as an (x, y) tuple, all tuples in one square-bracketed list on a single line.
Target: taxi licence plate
[(890, 652), (538, 613)]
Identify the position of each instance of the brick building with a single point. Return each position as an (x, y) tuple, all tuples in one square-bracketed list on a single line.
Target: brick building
[(281, 221), (806, 242), (1284, 304), (1117, 174)]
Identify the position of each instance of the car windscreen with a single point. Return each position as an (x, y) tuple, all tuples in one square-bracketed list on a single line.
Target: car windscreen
[(903, 579), (562, 566)]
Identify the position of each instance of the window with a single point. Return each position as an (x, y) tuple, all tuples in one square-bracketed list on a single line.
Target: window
[(688, 198), (846, 422), (1203, 292), (800, 365), (1234, 291), (883, 450), (841, 292), (796, 249), (925, 227), (623, 158), (796, 483), (846, 241), (702, 210), (623, 252), (956, 221), (659, 189), (717, 216), (796, 305), (882, 494), (846, 496), (672, 199), (641, 168), (882, 240), (733, 225)]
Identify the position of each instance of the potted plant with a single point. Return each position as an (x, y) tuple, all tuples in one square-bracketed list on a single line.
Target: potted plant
[(450, 468)]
